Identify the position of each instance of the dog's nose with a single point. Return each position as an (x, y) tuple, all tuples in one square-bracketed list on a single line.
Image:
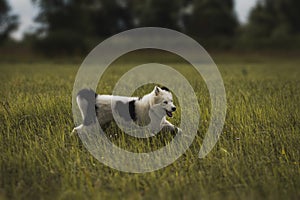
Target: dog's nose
[(174, 108)]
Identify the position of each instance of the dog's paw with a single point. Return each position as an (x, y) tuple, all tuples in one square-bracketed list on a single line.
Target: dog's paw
[(76, 129), (151, 135), (178, 130)]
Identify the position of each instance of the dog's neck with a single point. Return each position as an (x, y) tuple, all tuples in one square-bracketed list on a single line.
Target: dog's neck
[(143, 106), (147, 99)]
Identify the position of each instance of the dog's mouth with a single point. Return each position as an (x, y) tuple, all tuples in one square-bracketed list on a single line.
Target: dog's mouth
[(170, 114)]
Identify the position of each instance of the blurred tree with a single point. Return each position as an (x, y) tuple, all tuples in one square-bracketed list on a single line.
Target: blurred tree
[(274, 18), (8, 22), (64, 26), (111, 16), (159, 13), (261, 22), (69, 25), (210, 18)]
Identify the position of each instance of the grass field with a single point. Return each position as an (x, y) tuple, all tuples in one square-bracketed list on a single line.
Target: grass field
[(257, 156)]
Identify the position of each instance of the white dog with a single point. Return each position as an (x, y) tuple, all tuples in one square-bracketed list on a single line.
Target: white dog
[(150, 109)]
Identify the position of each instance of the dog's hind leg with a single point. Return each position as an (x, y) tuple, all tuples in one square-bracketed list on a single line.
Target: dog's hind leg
[(76, 129)]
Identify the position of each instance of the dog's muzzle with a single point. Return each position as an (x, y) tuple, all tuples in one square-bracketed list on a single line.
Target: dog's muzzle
[(169, 113)]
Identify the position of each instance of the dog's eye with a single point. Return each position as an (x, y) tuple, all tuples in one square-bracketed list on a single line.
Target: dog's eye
[(165, 102)]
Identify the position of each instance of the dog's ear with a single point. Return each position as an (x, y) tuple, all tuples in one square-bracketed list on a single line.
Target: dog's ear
[(157, 90)]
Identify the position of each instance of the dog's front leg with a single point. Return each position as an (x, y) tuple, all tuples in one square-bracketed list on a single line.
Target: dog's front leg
[(169, 127)]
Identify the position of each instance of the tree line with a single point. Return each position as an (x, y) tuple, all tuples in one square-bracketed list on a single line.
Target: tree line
[(212, 22)]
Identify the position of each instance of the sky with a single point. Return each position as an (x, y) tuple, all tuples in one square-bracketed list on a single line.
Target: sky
[(27, 12)]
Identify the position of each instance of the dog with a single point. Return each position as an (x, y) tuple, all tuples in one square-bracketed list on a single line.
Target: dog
[(151, 109)]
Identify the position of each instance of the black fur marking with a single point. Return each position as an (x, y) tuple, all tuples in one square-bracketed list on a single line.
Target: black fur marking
[(126, 110), (89, 96), (96, 107), (132, 110), (166, 89)]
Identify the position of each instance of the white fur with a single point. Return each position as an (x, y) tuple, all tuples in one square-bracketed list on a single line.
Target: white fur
[(152, 107)]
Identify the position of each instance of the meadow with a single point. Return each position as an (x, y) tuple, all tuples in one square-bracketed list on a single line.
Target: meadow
[(256, 157)]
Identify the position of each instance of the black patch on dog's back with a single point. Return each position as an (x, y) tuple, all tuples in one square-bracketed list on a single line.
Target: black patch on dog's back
[(165, 88), (126, 110), (132, 110)]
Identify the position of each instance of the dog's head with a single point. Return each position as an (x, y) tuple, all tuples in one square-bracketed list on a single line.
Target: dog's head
[(164, 98)]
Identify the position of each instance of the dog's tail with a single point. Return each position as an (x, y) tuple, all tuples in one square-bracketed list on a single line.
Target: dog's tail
[(86, 100)]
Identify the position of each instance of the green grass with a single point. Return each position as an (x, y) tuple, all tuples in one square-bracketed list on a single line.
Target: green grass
[(257, 156)]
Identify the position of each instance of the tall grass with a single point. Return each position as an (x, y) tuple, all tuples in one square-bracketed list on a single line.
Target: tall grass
[(257, 156)]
